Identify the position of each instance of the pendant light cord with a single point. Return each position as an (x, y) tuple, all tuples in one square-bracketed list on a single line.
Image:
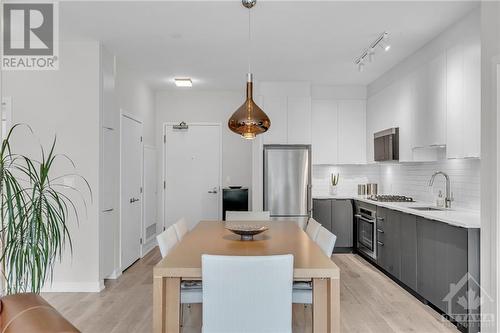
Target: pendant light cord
[(249, 41)]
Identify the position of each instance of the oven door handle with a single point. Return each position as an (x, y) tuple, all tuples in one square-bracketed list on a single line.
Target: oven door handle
[(360, 217)]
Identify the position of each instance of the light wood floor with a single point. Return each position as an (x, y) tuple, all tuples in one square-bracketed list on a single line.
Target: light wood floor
[(370, 302)]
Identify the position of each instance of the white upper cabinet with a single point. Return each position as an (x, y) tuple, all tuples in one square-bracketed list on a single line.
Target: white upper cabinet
[(455, 102), (338, 131), (299, 120), (464, 99), (275, 108), (352, 132), (324, 131), (472, 97), (288, 105), (430, 104)]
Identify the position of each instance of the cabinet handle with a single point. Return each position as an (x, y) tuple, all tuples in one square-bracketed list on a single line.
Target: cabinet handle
[(380, 230), (380, 243), (108, 210)]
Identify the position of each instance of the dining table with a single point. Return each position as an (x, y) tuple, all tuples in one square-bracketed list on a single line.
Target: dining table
[(183, 262)]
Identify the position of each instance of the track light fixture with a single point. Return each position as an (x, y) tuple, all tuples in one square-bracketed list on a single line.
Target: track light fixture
[(369, 52)]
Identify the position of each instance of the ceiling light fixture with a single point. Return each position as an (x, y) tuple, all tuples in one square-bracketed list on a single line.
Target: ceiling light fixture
[(183, 82), (249, 119), (369, 52)]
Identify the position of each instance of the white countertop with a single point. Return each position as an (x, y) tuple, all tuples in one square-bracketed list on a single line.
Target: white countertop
[(457, 217)]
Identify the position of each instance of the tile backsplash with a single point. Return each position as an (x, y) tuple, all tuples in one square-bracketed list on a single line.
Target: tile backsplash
[(409, 179)]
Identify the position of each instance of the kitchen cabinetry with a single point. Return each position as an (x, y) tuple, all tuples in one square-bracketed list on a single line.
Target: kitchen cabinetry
[(351, 132), (339, 131), (324, 134), (290, 119), (463, 99), (336, 215), (430, 104), (388, 249), (408, 249), (276, 109)]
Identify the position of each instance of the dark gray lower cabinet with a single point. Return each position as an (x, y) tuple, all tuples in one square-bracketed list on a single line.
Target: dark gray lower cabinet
[(438, 261), (408, 249), (336, 216), (322, 212), (448, 268), (342, 222)]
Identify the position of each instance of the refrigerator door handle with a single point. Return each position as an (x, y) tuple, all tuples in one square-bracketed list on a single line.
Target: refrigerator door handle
[(309, 200)]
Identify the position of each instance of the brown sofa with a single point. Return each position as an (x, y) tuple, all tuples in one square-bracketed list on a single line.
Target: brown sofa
[(30, 313)]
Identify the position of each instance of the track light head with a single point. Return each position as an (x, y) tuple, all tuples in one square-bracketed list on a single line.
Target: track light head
[(361, 67)]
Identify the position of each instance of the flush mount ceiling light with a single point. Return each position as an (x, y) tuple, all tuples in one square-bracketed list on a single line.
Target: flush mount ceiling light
[(369, 52), (249, 120), (183, 82)]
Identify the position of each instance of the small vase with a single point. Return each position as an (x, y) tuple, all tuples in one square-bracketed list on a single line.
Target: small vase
[(333, 190)]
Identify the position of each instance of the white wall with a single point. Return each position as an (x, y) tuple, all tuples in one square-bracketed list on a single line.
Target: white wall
[(207, 106), (136, 99), (66, 103)]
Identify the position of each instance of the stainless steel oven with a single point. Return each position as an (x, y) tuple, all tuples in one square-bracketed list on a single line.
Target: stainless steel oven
[(366, 225)]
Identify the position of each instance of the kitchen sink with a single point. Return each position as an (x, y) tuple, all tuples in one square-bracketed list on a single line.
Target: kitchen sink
[(428, 208)]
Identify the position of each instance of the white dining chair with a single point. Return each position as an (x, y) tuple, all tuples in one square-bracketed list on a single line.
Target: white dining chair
[(167, 240), (312, 228), (247, 294), (181, 228), (247, 216), (302, 291), (191, 292), (326, 241)]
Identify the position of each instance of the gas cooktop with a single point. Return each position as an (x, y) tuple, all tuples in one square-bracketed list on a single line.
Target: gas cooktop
[(391, 198)]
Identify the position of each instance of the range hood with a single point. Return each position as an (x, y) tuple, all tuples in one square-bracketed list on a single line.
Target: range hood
[(386, 145)]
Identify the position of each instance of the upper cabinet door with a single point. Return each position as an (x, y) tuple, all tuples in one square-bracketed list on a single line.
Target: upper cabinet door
[(454, 101), (299, 120), (472, 96), (436, 105), (324, 131), (352, 132), (276, 110)]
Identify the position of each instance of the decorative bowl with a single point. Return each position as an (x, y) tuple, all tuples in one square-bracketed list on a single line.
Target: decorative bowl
[(246, 230)]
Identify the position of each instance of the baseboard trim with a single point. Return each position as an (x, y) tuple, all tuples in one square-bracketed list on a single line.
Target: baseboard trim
[(115, 275), (74, 287)]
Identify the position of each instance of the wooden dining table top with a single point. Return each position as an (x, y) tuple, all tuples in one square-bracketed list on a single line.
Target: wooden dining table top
[(211, 237)]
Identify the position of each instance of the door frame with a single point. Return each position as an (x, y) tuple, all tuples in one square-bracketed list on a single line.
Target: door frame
[(124, 114), (164, 166)]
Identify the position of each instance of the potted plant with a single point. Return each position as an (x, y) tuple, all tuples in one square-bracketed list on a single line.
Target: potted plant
[(35, 207)]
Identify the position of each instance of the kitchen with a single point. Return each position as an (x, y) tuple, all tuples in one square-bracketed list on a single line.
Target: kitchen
[(396, 166)]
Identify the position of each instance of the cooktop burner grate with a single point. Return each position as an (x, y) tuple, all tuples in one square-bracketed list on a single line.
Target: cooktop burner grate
[(391, 198)]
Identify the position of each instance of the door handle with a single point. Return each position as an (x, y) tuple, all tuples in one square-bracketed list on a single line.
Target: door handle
[(132, 200), (214, 191)]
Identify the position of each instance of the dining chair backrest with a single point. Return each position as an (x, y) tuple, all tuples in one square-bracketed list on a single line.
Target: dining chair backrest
[(247, 293), (247, 216), (326, 241), (312, 228), (181, 228), (167, 240)]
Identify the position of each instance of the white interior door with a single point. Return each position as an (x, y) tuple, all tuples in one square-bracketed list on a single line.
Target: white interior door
[(192, 173), (131, 182)]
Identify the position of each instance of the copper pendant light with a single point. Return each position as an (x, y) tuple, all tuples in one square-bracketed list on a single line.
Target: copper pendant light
[(249, 119)]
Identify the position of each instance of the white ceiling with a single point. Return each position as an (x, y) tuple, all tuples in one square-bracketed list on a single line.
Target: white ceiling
[(311, 41)]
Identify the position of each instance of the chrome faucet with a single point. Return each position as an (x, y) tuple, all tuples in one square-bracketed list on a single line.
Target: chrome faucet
[(448, 195)]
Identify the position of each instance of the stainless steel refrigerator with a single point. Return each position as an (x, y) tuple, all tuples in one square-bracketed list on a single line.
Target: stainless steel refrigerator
[(287, 181)]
